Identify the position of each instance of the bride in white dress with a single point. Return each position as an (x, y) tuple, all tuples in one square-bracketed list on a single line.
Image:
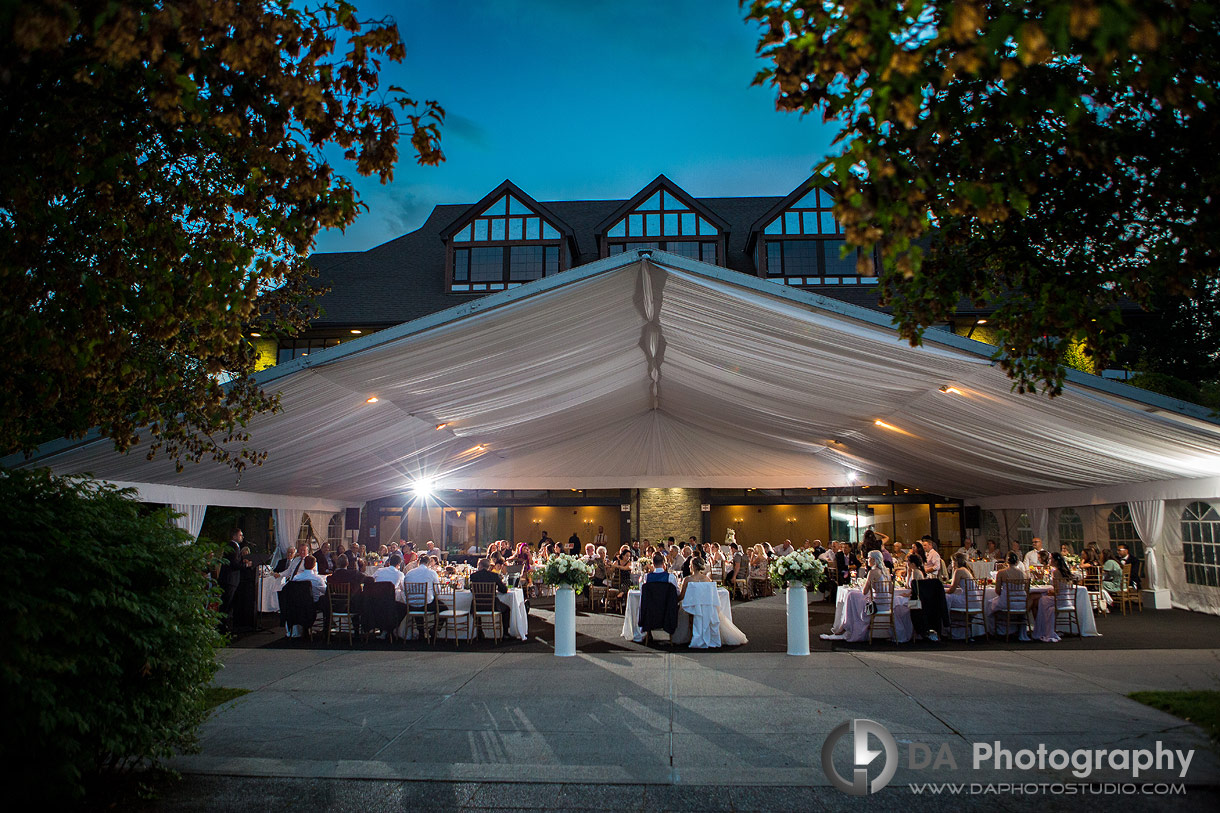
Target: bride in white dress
[(704, 595)]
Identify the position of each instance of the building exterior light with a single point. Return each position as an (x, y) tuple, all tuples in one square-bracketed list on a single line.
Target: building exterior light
[(356, 332), (372, 400)]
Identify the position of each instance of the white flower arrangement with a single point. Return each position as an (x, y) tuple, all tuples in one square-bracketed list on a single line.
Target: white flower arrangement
[(565, 570), (800, 566)]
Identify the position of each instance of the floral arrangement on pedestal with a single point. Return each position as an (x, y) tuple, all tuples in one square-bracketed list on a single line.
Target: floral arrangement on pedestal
[(801, 567), (565, 570)]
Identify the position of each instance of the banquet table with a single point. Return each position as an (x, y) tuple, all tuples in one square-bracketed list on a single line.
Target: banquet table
[(982, 569), (631, 617), (514, 599), (1084, 610), (851, 622), (269, 585)]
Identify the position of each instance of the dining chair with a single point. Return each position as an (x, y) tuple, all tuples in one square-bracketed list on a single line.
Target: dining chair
[(1094, 583), (486, 608), (1015, 605), (449, 615), (883, 619), (342, 619), (1065, 604), (419, 615), (973, 596), (1127, 593)]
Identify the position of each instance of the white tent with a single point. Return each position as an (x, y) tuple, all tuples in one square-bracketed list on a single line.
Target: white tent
[(652, 370)]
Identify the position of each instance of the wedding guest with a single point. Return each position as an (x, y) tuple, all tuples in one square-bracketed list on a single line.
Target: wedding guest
[(659, 573), (932, 560), (698, 573), (1032, 557), (971, 550), (317, 590), (1112, 573), (785, 548), (392, 573), (993, 551), (955, 590), (1125, 557), (291, 567), (483, 573), (878, 574)]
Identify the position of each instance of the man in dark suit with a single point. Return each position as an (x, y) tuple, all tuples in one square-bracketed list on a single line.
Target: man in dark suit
[(230, 575), (484, 573), (1126, 557), (326, 562)]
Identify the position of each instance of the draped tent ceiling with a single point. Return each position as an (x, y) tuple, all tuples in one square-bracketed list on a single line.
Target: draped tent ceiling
[(652, 370)]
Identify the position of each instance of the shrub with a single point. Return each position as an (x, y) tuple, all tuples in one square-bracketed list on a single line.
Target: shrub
[(108, 640)]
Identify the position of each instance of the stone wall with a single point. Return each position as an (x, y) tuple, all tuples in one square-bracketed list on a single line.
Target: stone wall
[(668, 512)]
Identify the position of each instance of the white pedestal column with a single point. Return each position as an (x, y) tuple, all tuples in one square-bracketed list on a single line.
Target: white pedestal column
[(565, 622), (1158, 599), (798, 620)]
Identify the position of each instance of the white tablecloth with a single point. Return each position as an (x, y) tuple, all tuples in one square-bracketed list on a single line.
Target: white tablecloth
[(518, 621), (269, 585), (1084, 612), (631, 617), (982, 570), (851, 622)]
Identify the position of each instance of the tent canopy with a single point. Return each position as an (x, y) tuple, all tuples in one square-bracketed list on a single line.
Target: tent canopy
[(652, 370)]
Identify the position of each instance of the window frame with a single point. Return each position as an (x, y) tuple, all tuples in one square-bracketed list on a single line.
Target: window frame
[(469, 287), (1201, 555)]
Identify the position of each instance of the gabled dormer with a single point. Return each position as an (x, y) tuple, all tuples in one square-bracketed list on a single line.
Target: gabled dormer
[(799, 241), (663, 216), (504, 240)]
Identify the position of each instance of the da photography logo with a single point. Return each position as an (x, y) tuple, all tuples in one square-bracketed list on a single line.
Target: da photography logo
[(863, 757)]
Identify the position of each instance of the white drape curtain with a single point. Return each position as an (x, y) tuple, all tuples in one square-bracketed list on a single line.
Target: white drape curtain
[(1148, 517), (287, 525), (1040, 524), (190, 519)]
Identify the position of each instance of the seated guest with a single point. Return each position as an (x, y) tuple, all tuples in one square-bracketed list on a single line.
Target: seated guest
[(899, 552), (483, 573), (659, 573), (1125, 557), (590, 551), (392, 574), (955, 590), (785, 548), (424, 574), (685, 557), (878, 575), (347, 572), (971, 550), (317, 588), (1089, 557), (325, 562), (1066, 549), (932, 560), (1044, 558), (1033, 557), (292, 566), (698, 573), (1112, 573), (993, 551)]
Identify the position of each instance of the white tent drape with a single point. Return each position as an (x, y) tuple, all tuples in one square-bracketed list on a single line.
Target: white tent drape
[(190, 517), (287, 526), (1148, 517), (1040, 525)]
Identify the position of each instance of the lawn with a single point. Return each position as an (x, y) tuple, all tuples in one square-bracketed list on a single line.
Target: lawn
[(1201, 708), (213, 696)]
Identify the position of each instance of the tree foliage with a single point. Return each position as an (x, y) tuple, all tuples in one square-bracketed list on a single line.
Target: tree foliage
[(108, 640), (164, 178), (1049, 159)]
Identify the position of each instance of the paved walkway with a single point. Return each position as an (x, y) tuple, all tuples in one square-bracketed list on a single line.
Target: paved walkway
[(708, 724)]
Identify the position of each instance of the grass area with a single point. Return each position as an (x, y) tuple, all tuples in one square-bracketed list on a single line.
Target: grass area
[(1201, 708), (213, 696)]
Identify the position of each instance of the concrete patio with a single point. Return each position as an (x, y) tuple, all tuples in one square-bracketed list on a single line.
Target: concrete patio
[(671, 722)]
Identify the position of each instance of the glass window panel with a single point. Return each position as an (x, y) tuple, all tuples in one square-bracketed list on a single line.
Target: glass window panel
[(776, 226), (652, 204), (652, 225), (688, 223), (775, 258), (497, 208), (708, 252), (616, 248), (461, 286), (809, 201), (635, 245), (532, 228), (635, 225), (497, 229), (552, 260), (300, 350), (809, 222), (824, 199), (619, 229), (480, 230), (463, 236), (830, 280), (792, 223), (706, 228), (800, 257), (828, 223), (868, 280), (461, 264), (285, 355), (526, 263), (549, 232), (686, 248), (487, 264), (516, 228), (834, 263), (331, 342), (516, 207), (670, 222)]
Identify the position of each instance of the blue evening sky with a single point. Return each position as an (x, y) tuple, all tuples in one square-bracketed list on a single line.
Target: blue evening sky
[(583, 99)]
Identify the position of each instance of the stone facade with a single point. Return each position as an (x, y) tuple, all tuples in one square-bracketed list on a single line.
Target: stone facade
[(668, 512)]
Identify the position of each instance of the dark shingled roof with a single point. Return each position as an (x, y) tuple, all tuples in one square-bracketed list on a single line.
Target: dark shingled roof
[(404, 279)]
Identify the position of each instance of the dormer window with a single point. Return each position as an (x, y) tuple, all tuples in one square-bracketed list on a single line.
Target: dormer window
[(664, 217), (505, 243), (802, 244)]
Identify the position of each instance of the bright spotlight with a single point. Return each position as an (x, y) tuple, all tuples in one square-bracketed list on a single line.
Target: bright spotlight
[(851, 477), (422, 489)]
